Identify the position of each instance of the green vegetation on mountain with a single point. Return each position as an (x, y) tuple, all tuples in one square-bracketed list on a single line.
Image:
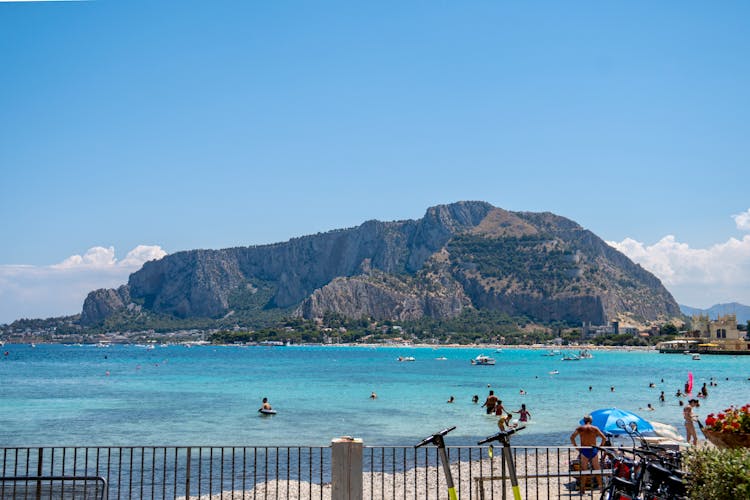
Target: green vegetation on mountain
[(538, 263)]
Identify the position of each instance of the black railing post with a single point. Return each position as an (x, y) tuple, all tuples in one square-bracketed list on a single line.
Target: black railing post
[(39, 468), (187, 476)]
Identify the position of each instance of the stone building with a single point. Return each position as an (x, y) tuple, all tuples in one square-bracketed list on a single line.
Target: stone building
[(723, 328)]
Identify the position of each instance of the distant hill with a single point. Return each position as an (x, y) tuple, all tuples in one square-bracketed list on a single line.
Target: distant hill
[(464, 255), (742, 311)]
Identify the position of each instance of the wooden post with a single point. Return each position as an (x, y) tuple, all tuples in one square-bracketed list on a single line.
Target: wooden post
[(346, 469)]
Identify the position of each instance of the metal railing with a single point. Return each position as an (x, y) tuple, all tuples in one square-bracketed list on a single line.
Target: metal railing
[(390, 472), (43, 487), (180, 472), (543, 473)]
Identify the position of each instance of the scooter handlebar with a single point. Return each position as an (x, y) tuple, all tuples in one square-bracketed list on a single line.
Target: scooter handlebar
[(496, 437), (430, 439)]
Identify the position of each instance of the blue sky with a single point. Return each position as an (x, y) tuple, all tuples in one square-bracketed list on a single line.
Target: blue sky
[(129, 129)]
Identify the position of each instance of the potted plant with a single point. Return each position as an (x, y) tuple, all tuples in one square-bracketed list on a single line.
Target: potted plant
[(730, 428)]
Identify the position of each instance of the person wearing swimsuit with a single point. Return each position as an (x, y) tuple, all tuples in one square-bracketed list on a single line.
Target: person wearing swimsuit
[(687, 413), (523, 413), (588, 449), (490, 403)]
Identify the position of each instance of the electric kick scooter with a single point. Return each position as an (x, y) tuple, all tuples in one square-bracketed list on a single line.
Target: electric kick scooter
[(503, 437), (437, 440)]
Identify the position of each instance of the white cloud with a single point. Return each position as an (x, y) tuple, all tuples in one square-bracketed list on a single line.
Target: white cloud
[(94, 258), (59, 289), (699, 277), (742, 220)]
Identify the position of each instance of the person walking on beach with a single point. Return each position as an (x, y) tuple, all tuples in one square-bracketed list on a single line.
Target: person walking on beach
[(687, 413), (588, 449), (490, 402)]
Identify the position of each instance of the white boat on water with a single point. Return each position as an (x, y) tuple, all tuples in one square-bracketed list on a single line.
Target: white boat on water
[(406, 358), (696, 357), (483, 360)]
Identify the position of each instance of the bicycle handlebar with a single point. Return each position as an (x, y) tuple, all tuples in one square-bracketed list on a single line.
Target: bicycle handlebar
[(501, 434), (430, 439)]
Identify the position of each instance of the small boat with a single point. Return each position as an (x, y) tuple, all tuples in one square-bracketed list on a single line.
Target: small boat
[(696, 357), (585, 354), (554, 352), (554, 372), (571, 357), (405, 358), (441, 358), (483, 360)]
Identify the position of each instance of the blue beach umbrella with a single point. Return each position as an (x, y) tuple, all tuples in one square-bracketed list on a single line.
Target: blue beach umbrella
[(606, 420)]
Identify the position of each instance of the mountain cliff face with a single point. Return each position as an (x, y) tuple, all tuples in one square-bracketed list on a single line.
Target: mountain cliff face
[(466, 254)]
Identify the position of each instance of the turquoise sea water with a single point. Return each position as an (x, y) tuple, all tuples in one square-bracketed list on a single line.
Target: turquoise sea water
[(208, 395)]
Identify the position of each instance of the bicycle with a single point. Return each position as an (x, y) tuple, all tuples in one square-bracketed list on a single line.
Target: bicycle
[(503, 437), (655, 476)]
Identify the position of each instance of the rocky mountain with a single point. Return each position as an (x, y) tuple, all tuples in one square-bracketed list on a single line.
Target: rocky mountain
[(466, 254)]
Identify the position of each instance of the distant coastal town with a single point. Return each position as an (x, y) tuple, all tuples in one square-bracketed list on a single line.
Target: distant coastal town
[(698, 334)]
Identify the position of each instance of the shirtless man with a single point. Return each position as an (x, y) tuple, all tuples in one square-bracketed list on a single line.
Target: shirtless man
[(588, 449), (490, 403), (266, 405)]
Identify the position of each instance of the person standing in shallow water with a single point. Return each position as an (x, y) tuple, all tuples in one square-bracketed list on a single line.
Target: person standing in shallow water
[(266, 405), (490, 402), (523, 413)]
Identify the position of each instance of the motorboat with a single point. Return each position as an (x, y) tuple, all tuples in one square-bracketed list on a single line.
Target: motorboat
[(696, 357), (571, 357), (406, 358), (585, 354), (483, 360)]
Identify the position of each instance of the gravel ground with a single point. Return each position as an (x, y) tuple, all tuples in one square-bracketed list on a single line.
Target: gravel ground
[(422, 483)]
